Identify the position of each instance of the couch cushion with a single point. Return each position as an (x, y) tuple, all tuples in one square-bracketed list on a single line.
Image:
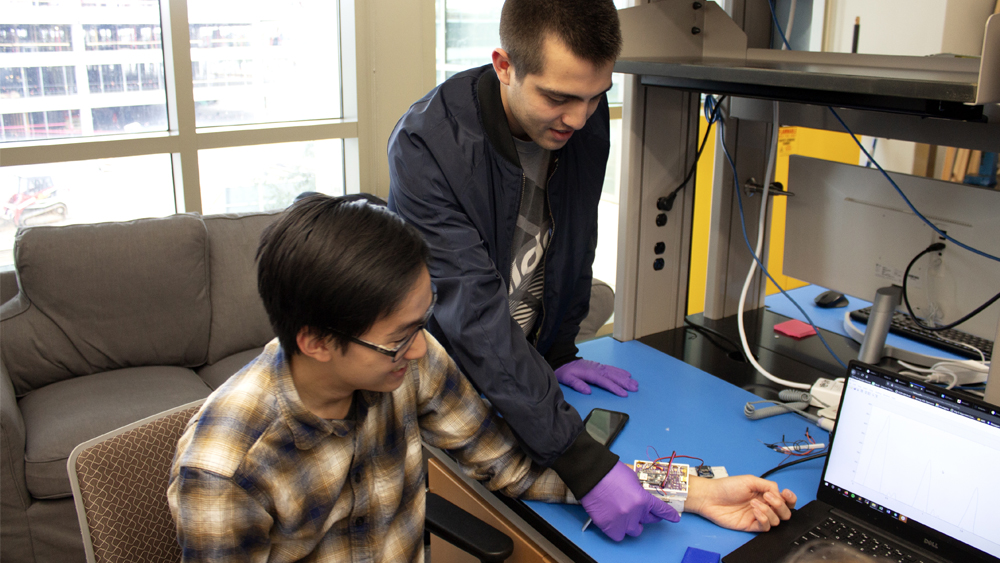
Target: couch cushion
[(602, 305), (239, 321), (214, 375), (65, 414), (108, 296)]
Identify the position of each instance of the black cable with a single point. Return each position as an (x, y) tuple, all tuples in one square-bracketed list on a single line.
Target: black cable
[(725, 347), (668, 201), (791, 463), (936, 247), (708, 336), (713, 332)]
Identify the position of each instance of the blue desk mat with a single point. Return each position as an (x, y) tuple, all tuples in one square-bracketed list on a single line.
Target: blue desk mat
[(833, 319), (679, 407)]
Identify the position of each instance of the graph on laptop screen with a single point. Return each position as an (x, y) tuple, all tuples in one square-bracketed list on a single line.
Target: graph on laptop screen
[(930, 459)]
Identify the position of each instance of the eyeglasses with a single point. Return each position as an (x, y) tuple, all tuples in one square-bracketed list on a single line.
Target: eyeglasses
[(397, 353)]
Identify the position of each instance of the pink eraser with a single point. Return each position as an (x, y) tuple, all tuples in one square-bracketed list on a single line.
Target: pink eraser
[(795, 329)]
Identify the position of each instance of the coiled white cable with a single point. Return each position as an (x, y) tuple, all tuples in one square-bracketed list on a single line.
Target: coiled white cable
[(772, 156), (753, 413)]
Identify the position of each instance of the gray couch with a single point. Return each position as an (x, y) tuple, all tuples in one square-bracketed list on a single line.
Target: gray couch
[(112, 323), (107, 324)]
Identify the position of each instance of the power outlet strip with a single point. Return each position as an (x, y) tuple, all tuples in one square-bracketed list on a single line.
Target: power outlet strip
[(826, 393)]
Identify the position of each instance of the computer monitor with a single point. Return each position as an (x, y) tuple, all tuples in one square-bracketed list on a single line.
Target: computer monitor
[(847, 229)]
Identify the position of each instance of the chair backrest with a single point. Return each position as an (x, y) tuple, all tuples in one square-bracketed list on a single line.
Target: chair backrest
[(120, 488)]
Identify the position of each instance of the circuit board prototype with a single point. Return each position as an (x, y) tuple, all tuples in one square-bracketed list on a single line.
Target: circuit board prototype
[(669, 486)]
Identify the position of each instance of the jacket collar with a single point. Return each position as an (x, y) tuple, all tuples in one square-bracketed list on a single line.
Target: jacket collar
[(494, 117)]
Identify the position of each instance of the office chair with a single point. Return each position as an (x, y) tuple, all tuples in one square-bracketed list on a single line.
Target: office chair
[(120, 482), (119, 485)]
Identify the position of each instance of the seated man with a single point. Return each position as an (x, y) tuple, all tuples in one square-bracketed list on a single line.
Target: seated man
[(313, 451)]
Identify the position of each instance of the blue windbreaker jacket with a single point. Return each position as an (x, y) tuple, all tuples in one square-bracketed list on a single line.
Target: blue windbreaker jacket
[(455, 175)]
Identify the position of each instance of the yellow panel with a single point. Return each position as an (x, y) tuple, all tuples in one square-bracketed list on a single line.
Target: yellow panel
[(816, 143), (702, 218)]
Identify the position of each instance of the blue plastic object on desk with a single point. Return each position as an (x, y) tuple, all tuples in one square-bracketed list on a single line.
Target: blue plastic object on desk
[(695, 555)]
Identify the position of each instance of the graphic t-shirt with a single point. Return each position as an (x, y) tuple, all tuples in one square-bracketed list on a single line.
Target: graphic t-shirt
[(531, 237)]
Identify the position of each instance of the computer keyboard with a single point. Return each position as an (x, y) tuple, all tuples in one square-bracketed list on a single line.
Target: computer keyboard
[(869, 543), (952, 340)]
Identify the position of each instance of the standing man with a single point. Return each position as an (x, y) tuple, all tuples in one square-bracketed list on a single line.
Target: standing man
[(501, 168)]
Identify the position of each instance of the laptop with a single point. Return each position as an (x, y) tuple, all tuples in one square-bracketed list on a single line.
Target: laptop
[(913, 468)]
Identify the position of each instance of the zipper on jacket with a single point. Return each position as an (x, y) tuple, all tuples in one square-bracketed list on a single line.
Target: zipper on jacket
[(545, 257)]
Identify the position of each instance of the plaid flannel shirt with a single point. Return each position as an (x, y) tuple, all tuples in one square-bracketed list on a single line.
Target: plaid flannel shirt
[(258, 477)]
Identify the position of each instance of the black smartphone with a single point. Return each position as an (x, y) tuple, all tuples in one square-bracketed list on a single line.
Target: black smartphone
[(604, 425)]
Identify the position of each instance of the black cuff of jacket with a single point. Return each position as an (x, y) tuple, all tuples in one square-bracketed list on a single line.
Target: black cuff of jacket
[(561, 354), (584, 464)]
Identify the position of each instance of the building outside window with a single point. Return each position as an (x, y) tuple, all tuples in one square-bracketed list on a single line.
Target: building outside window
[(81, 77)]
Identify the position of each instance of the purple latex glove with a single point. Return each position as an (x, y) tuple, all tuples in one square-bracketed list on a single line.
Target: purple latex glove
[(578, 373), (619, 505)]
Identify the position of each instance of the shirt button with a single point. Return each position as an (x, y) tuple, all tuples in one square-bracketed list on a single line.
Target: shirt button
[(359, 521)]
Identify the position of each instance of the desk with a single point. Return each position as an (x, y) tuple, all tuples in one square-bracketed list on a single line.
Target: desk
[(679, 407)]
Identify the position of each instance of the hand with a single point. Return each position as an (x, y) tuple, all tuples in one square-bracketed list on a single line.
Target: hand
[(578, 373), (619, 505), (744, 502)]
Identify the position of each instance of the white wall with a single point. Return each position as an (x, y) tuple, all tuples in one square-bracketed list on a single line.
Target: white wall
[(907, 27), (964, 26), (910, 27), (890, 27)]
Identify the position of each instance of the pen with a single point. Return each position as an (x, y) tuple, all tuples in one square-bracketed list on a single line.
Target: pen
[(857, 32), (589, 520)]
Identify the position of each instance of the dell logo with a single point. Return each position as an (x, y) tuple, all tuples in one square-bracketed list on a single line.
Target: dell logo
[(931, 543)]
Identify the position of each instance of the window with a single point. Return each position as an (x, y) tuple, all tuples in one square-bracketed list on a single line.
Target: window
[(268, 176), (98, 105), (89, 191), (279, 62), (467, 33)]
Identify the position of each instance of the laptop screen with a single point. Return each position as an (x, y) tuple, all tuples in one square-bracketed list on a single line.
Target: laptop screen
[(922, 456)]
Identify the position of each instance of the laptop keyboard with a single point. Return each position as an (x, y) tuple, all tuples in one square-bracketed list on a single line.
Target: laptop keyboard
[(874, 546)]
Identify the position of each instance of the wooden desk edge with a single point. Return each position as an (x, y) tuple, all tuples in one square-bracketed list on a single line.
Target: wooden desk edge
[(500, 510)]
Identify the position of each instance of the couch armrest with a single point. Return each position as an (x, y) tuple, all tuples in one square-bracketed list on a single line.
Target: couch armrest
[(8, 283), (13, 437), (14, 497)]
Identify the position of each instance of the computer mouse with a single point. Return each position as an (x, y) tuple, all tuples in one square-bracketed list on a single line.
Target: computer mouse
[(830, 299)]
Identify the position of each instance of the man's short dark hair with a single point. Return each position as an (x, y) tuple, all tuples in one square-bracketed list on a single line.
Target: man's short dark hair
[(336, 267), (589, 28)]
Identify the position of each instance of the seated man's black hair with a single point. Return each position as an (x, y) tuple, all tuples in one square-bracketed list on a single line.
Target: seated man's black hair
[(335, 266)]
